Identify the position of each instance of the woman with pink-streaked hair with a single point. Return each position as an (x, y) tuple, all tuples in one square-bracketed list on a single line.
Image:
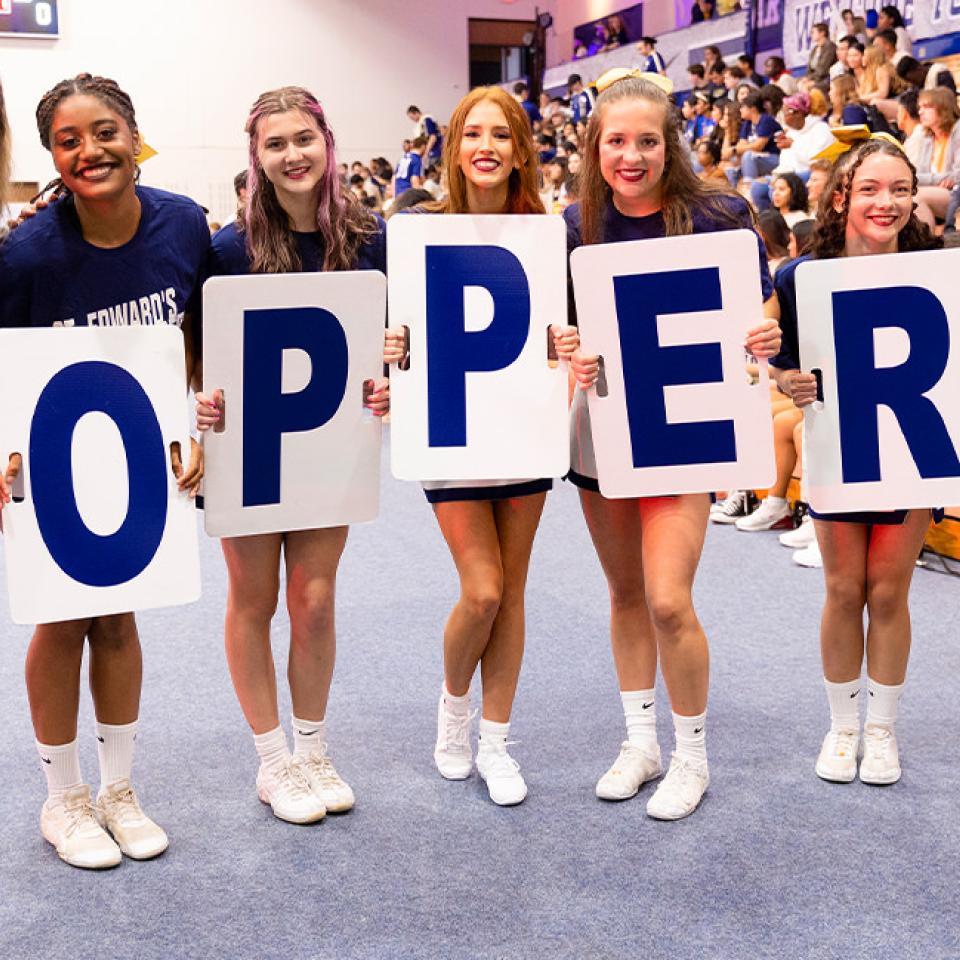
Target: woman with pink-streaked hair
[(298, 217)]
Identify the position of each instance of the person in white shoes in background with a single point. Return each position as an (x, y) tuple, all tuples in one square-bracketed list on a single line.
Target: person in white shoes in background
[(298, 217), (107, 242), (489, 526), (637, 183), (868, 558)]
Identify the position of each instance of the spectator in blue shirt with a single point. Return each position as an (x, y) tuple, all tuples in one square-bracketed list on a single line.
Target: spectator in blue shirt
[(409, 173), (581, 99), (522, 92), (757, 147), (651, 61), (425, 126)]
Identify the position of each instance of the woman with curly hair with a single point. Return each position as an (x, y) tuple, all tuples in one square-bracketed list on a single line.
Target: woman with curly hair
[(868, 558)]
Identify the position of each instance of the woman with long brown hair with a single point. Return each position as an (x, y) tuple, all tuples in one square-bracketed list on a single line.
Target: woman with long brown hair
[(938, 165), (489, 526), (298, 217), (869, 557), (637, 183)]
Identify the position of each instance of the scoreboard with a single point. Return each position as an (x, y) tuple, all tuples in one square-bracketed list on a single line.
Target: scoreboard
[(29, 18)]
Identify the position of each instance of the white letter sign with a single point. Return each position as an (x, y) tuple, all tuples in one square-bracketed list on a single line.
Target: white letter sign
[(883, 332), (296, 448), (669, 317), (101, 527), (481, 399)]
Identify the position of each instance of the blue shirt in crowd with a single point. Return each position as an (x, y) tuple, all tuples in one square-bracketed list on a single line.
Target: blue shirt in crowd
[(766, 126), (580, 105), (410, 166)]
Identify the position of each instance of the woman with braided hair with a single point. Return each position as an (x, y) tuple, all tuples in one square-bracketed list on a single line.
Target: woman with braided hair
[(868, 558), (110, 253), (298, 217)]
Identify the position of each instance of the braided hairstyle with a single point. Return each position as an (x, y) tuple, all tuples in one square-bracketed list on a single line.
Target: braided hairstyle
[(105, 90), (830, 238)]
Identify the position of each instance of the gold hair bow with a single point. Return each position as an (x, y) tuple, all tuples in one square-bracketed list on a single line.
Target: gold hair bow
[(622, 73), (846, 138)]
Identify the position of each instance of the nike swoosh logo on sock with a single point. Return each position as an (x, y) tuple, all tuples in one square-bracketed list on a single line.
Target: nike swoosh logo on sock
[(857, 694), (698, 730), (308, 734), (647, 706), (100, 739), (45, 760)]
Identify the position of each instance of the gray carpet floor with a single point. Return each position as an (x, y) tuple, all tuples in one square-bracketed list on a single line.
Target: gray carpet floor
[(775, 864)]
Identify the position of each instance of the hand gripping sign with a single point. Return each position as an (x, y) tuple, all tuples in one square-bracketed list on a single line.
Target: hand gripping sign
[(481, 398), (881, 334), (677, 413), (101, 527), (295, 355)]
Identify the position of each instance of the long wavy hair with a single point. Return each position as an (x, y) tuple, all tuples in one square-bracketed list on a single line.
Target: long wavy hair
[(944, 101), (344, 224), (4, 153), (523, 194), (830, 238), (682, 191)]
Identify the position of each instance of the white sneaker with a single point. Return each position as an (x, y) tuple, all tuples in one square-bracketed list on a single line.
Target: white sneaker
[(325, 782), (70, 824), (729, 509), (632, 768), (288, 794), (118, 811), (809, 556), (453, 754), (838, 756), (802, 537), (681, 789), (502, 775), (765, 517), (881, 758)]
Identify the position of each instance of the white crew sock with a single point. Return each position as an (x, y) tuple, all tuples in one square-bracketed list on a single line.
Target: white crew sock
[(773, 501), (493, 735), (844, 699), (272, 747), (458, 706), (691, 736), (309, 736), (640, 712), (115, 750), (883, 702), (61, 767)]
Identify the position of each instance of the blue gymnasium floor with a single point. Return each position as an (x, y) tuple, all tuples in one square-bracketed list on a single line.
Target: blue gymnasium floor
[(775, 864)]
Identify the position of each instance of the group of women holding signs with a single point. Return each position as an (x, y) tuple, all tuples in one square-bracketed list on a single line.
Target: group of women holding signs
[(112, 241)]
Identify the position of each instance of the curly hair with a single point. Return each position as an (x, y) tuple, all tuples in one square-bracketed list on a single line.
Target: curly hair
[(830, 238)]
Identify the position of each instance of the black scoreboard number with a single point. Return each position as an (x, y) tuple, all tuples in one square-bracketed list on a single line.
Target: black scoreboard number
[(29, 18)]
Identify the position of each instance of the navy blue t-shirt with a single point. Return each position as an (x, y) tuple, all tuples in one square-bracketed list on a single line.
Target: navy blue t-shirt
[(51, 277), (229, 258), (617, 227), (766, 126), (786, 285), (410, 166), (532, 111), (431, 128)]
